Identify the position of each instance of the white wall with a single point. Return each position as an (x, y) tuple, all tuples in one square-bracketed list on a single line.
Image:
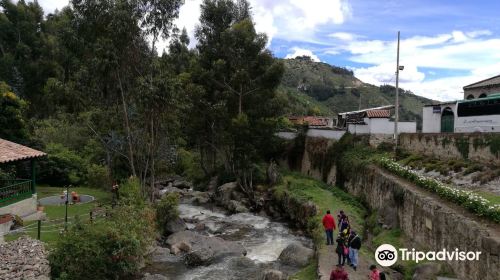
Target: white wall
[(431, 122), (325, 133), (382, 126), (406, 127), (359, 128), (287, 135)]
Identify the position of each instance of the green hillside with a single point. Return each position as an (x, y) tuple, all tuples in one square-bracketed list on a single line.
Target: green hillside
[(323, 89)]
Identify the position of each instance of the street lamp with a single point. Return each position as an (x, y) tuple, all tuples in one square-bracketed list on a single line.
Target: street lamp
[(398, 68)]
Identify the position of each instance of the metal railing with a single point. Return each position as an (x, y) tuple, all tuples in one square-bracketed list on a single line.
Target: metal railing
[(14, 190)]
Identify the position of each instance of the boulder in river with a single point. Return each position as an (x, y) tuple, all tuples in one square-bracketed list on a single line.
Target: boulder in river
[(182, 184), (272, 274), (199, 257), (296, 254), (174, 226), (148, 276), (198, 242), (236, 207)]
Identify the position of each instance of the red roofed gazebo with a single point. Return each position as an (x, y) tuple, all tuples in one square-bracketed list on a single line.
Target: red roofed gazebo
[(15, 190)]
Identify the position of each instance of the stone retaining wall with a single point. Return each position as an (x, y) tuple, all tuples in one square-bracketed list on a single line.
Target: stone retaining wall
[(430, 222), (481, 147)]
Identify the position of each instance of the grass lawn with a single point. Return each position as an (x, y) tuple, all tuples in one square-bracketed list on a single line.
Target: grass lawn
[(307, 273), (324, 196), (55, 214)]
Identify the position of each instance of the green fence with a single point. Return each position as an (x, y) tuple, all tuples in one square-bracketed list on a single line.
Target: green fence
[(14, 190)]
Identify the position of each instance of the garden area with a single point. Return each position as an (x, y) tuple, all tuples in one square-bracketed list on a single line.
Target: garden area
[(54, 223)]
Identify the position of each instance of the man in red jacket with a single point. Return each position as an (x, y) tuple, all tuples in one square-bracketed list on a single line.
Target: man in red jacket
[(339, 273), (329, 225)]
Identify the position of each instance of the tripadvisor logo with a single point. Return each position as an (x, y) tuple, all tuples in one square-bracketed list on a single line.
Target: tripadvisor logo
[(387, 255)]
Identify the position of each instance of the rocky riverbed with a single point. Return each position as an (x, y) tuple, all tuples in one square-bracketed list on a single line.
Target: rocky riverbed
[(209, 242)]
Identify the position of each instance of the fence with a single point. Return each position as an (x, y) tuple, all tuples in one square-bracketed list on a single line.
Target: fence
[(60, 225), (14, 190)]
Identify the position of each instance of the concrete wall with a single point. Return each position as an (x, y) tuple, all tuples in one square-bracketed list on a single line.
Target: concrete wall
[(474, 146), (325, 133), (287, 135), (382, 126), (431, 122), (430, 222), (21, 208)]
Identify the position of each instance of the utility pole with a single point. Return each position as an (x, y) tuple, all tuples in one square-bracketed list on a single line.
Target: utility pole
[(397, 100)]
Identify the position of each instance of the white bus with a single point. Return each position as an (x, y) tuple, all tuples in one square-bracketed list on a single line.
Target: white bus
[(479, 115)]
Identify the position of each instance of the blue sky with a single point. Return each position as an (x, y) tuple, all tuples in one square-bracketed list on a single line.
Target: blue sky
[(445, 45)]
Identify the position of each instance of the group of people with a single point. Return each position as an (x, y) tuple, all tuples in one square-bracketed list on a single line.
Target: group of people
[(347, 247)]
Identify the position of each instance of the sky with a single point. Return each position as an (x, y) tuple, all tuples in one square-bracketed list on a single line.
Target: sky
[(445, 44)]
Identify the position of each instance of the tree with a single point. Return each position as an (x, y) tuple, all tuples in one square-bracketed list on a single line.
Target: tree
[(12, 120), (239, 78)]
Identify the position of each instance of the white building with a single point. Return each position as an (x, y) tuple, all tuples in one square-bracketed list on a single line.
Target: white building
[(373, 121), (439, 117)]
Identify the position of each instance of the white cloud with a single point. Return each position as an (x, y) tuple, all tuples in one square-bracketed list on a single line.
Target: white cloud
[(49, 6), (474, 53), (301, 52), (344, 36)]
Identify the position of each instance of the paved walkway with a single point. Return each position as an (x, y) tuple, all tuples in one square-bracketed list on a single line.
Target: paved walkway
[(327, 259)]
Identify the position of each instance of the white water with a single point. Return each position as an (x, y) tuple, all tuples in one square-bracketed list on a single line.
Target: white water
[(263, 239)]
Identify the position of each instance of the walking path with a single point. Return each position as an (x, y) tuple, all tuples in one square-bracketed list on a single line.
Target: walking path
[(327, 259)]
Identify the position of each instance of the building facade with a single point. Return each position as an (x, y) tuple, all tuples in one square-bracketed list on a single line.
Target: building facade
[(482, 88)]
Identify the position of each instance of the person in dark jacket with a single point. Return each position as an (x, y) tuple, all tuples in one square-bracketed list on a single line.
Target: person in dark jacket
[(342, 249), (329, 225), (354, 246), (343, 221), (339, 273)]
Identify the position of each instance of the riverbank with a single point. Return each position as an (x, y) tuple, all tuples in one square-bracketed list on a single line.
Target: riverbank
[(300, 188)]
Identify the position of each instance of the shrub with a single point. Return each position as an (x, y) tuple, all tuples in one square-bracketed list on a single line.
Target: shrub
[(130, 192), (107, 249), (166, 209), (97, 176), (62, 166)]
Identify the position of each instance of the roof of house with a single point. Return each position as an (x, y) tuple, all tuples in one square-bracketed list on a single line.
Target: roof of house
[(343, 114), (378, 114), (485, 83), (310, 120), (10, 151)]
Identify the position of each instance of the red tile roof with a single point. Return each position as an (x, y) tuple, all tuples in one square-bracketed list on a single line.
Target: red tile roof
[(310, 120), (10, 151), (378, 114)]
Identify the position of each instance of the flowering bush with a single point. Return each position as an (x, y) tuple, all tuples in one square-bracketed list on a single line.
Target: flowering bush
[(468, 199)]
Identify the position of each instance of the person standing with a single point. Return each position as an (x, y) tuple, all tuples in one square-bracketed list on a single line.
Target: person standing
[(343, 221), (329, 225), (341, 249), (374, 273), (354, 246), (339, 273), (115, 193)]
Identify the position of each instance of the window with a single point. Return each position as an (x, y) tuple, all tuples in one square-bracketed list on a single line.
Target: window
[(479, 108), (470, 96), (483, 95)]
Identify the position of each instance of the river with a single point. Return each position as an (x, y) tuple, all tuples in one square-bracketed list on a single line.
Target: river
[(263, 239)]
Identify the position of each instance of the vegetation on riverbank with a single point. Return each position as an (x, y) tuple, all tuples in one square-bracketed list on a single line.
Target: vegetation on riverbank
[(110, 247)]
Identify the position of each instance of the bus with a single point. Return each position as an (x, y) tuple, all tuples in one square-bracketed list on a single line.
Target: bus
[(479, 115)]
